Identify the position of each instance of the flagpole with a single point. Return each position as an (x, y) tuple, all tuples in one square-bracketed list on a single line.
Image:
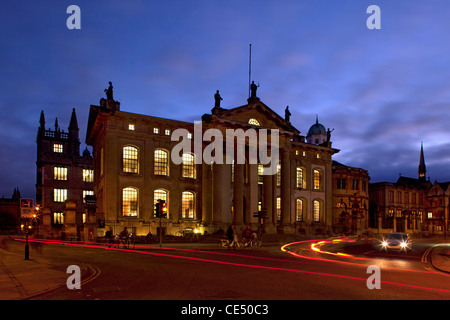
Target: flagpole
[(249, 69)]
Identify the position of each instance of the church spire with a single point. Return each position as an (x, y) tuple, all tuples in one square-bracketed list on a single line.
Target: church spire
[(422, 167), (73, 121)]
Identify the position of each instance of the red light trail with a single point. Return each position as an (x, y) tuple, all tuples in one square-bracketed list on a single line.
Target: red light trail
[(237, 264)]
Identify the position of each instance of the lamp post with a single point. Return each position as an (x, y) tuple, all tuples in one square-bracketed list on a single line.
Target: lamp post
[(27, 247)]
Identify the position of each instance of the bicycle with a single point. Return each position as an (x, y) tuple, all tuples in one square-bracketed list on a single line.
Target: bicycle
[(226, 243), (127, 242)]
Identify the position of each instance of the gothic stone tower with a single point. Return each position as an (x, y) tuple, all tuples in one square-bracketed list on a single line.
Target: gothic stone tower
[(62, 174)]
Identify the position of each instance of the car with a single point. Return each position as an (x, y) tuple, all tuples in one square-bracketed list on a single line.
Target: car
[(397, 241)]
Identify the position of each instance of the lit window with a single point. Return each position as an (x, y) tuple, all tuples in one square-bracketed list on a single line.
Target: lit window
[(58, 148), (88, 175), (58, 218), (188, 202), (279, 175), (161, 194), (278, 209), (316, 216), (167, 132), (318, 155), (189, 135), (156, 130), (131, 126), (300, 209), (254, 122), (59, 195), (130, 202), (59, 173), (430, 215), (130, 159), (317, 178), (87, 193), (161, 163), (189, 166), (260, 174), (301, 183)]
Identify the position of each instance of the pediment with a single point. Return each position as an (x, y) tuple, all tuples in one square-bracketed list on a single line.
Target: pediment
[(255, 110)]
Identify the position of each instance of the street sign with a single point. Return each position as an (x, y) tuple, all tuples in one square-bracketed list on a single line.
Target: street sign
[(26, 208)]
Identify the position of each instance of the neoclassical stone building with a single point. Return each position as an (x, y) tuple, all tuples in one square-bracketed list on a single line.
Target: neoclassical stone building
[(134, 168)]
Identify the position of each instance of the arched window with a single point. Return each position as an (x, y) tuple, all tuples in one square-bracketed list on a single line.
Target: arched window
[(300, 209), (301, 179), (130, 202), (188, 166), (130, 159), (188, 205), (161, 162), (317, 207), (161, 194), (254, 122)]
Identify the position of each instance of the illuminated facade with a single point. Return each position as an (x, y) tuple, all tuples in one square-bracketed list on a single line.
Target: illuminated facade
[(133, 169), (351, 199), (62, 174), (413, 205)]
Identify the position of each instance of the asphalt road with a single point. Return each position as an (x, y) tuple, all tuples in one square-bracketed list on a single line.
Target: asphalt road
[(222, 274)]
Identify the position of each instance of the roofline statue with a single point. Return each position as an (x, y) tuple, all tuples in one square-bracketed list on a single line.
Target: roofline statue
[(109, 92)]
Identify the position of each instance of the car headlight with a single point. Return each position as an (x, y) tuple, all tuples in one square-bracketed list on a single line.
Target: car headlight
[(403, 244), (384, 244)]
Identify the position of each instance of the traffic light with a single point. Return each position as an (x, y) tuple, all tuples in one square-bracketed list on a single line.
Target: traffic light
[(163, 208), (157, 209)]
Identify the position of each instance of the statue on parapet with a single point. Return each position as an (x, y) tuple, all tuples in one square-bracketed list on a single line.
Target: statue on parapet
[(287, 114), (217, 99), (253, 88), (109, 92)]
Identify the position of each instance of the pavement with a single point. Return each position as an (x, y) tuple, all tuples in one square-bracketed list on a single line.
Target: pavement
[(24, 279)]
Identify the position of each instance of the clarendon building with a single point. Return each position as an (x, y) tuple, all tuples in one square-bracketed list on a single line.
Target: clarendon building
[(134, 168)]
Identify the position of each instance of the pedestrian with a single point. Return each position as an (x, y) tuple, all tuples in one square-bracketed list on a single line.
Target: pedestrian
[(109, 235)]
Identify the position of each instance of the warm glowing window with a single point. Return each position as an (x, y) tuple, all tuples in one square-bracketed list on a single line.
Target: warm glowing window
[(161, 194), (58, 218), (130, 159), (254, 122), (300, 206), (167, 132), (317, 179), (301, 181), (130, 202), (59, 195), (189, 166), (58, 148), (278, 175), (316, 214), (131, 126), (88, 175), (161, 162), (59, 173), (278, 209), (87, 193), (260, 174), (188, 205), (156, 130)]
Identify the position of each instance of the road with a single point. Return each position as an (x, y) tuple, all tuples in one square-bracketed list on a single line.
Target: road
[(295, 273)]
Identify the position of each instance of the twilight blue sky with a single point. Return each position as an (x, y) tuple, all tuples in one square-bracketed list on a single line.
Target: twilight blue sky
[(383, 91)]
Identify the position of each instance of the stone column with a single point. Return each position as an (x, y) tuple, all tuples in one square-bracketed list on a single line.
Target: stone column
[(238, 194), (206, 194), (285, 188), (267, 202)]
